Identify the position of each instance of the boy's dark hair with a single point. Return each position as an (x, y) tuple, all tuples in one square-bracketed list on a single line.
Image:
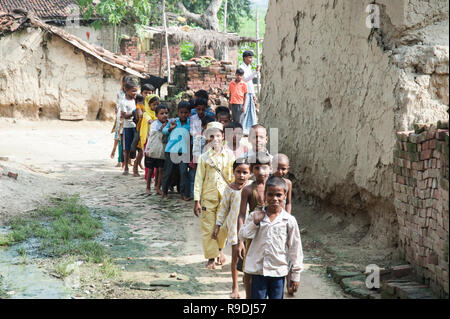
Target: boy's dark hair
[(233, 125), (260, 158), (139, 98), (184, 105), (223, 114), (202, 93), (247, 53), (276, 181), (239, 71), (130, 85), (222, 109), (201, 101), (161, 107), (147, 87), (207, 119), (239, 161)]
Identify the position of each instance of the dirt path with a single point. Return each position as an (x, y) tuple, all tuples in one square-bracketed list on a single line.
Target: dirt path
[(149, 238)]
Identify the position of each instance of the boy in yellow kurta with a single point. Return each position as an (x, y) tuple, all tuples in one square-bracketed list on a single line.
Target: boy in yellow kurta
[(214, 172)]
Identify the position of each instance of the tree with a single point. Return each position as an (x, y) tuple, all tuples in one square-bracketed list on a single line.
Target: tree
[(213, 10), (140, 13)]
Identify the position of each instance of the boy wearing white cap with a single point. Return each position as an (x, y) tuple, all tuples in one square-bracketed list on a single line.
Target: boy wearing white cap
[(214, 172)]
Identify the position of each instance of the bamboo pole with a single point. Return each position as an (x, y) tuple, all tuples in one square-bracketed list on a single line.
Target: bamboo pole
[(225, 50), (166, 40), (257, 52)]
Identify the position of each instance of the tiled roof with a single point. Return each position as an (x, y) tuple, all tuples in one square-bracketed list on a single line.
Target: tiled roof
[(19, 19), (44, 9)]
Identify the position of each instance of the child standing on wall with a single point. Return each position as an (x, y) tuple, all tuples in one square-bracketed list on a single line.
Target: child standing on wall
[(214, 172), (238, 90), (228, 215), (273, 230), (249, 108), (252, 197), (154, 154), (127, 106)]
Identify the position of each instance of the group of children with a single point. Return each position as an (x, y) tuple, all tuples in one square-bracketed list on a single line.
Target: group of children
[(240, 193)]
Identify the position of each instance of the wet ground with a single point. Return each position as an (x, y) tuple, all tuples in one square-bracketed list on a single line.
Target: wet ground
[(155, 243)]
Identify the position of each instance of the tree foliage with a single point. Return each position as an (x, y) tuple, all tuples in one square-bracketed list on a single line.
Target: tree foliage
[(148, 12)]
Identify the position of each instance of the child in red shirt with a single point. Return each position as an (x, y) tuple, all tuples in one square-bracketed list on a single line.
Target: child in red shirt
[(238, 90)]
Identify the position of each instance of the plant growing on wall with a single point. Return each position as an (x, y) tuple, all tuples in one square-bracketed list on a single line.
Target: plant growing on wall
[(187, 51)]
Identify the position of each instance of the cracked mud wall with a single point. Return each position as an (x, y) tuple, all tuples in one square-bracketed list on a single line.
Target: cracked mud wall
[(44, 77), (338, 91)]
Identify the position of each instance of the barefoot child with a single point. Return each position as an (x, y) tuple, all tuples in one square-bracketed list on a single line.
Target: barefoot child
[(118, 124), (276, 239), (127, 106), (229, 212), (154, 154), (177, 151), (140, 109), (238, 90), (151, 102), (214, 172), (253, 196)]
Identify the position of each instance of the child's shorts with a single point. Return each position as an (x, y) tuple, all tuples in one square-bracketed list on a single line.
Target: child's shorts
[(128, 136), (152, 163)]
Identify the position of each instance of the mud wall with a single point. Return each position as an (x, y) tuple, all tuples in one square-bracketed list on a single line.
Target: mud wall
[(421, 202), (42, 76), (338, 90)]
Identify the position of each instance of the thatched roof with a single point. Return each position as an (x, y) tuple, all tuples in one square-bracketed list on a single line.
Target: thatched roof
[(200, 37), (19, 19)]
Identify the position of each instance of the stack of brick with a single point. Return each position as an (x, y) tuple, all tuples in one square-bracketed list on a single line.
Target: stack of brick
[(151, 57), (193, 76), (421, 202)]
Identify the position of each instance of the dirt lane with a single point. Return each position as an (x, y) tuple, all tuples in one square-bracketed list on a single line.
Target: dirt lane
[(149, 238)]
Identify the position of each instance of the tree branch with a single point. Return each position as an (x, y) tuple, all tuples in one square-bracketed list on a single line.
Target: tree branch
[(197, 18)]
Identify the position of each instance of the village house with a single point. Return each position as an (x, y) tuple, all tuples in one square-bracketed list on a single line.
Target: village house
[(47, 72), (66, 15)]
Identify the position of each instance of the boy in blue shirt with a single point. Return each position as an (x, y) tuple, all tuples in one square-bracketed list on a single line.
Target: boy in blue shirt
[(178, 150)]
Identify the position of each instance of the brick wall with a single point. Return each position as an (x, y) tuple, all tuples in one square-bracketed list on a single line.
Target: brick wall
[(192, 76), (151, 57), (421, 188)]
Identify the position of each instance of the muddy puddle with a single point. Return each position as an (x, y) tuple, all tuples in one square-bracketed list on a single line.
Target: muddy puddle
[(23, 279)]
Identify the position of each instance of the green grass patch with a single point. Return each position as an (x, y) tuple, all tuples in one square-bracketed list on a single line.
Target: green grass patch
[(6, 240), (3, 293), (64, 227)]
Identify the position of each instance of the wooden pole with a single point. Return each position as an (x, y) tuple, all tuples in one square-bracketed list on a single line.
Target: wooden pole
[(167, 40), (160, 56), (257, 51), (225, 13)]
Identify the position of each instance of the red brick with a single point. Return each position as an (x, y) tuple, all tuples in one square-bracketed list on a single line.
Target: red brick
[(424, 155), (432, 144), (417, 165)]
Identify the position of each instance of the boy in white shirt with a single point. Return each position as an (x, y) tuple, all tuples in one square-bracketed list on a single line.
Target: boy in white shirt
[(126, 107), (154, 150), (276, 236)]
